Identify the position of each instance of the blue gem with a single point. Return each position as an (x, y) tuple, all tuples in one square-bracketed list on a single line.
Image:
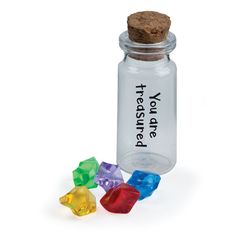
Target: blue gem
[(144, 182)]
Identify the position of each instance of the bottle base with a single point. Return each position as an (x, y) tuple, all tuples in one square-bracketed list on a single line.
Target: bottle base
[(145, 161)]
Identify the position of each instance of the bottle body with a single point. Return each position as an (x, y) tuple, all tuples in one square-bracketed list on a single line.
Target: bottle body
[(146, 115), (146, 133)]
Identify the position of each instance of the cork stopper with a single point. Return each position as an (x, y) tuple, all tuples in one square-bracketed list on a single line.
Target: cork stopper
[(148, 27)]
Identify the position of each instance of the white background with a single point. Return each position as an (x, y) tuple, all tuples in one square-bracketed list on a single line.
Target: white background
[(58, 95)]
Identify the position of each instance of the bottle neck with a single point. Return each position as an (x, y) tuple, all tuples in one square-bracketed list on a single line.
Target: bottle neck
[(156, 53), (146, 61)]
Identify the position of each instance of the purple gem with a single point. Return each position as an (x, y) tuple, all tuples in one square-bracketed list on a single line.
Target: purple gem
[(108, 176)]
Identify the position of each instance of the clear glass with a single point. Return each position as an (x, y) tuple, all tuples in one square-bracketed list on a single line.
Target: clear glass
[(146, 130)]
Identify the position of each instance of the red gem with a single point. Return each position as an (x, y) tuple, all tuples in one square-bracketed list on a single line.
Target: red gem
[(120, 199)]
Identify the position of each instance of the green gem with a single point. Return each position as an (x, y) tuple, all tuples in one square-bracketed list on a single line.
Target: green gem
[(85, 173)]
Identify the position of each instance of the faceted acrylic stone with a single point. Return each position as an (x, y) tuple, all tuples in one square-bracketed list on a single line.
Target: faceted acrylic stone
[(80, 200), (108, 176), (120, 199), (144, 182), (85, 173)]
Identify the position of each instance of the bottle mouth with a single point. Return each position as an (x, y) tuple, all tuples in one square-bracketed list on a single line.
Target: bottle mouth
[(163, 48)]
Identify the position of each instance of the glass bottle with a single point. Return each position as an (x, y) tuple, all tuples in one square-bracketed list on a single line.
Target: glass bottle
[(146, 130)]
